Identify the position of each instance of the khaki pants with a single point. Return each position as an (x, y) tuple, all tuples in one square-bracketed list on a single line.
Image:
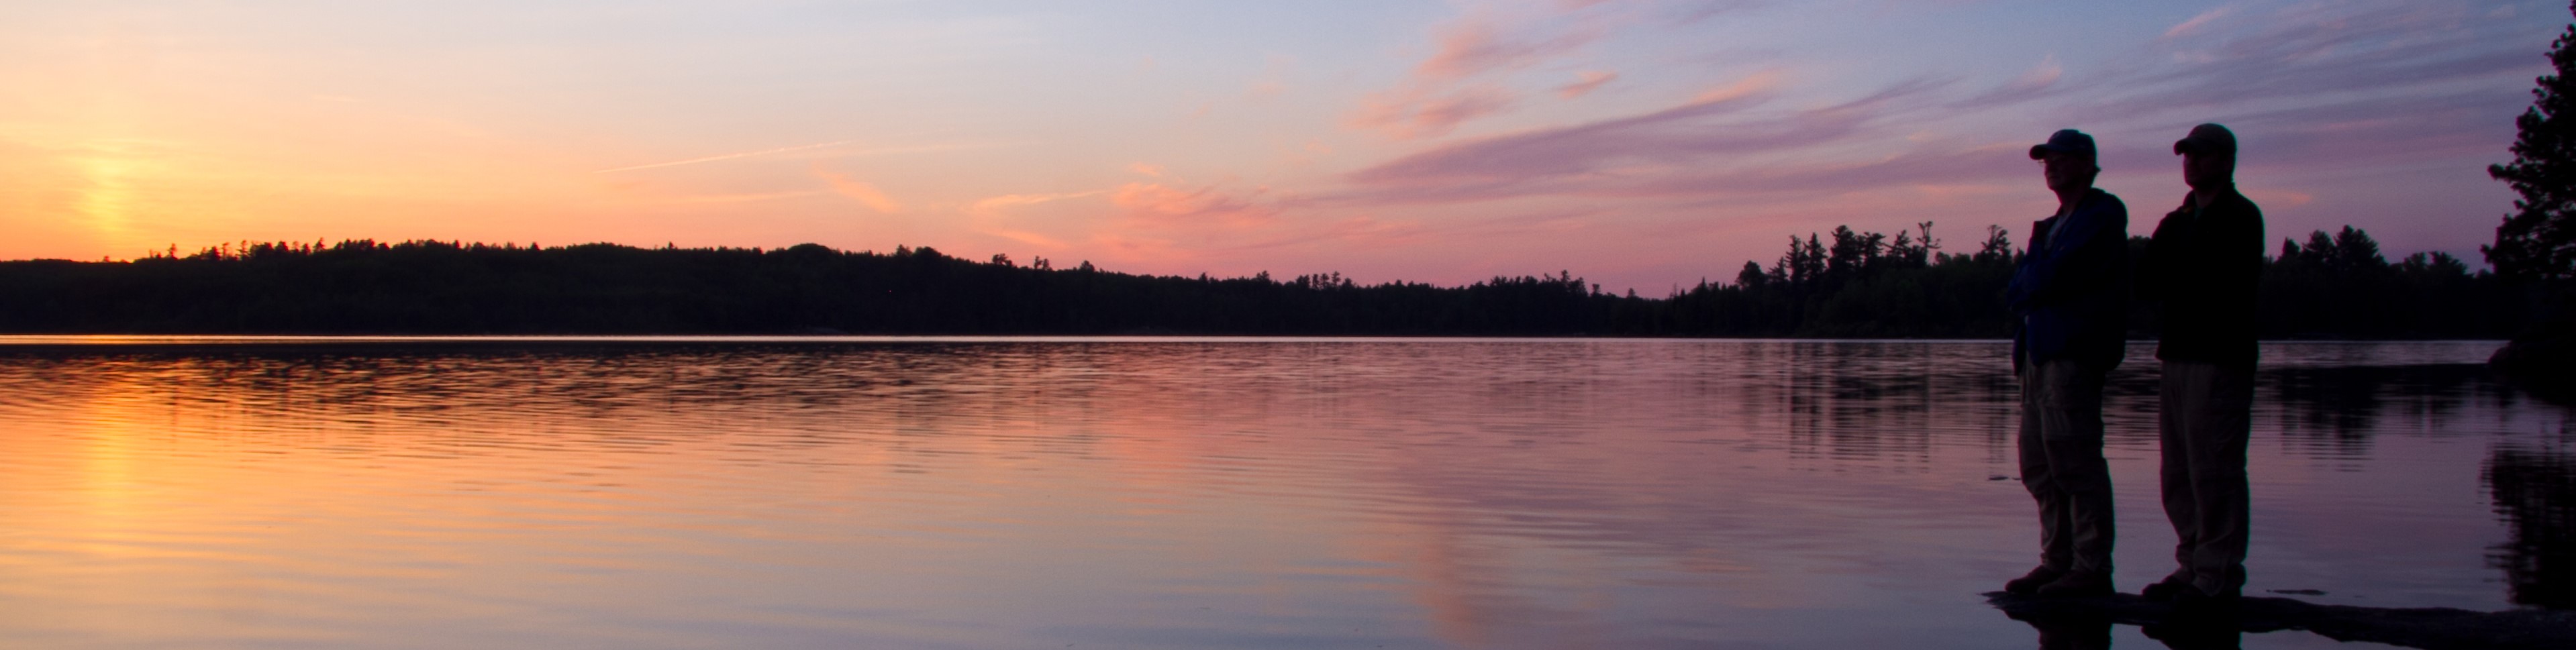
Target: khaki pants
[(2062, 466), (2206, 415)]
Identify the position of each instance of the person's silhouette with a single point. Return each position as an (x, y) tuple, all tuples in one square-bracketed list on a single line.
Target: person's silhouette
[(2203, 263), (2070, 296)]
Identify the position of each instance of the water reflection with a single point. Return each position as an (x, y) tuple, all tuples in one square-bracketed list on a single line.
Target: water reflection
[(1429, 494), (2092, 631), (2074, 633), (2534, 489), (2334, 411)]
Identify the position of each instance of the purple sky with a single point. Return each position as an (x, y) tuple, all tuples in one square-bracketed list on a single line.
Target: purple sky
[(1641, 143)]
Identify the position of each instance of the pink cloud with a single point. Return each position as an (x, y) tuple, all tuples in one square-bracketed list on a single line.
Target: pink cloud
[(1475, 49), (2032, 84), (1707, 150), (2320, 49), (1161, 204), (1273, 81), (1361, 231), (1686, 131), (994, 205), (1479, 45), (1482, 46), (1926, 170), (1749, 87), (2193, 26), (1585, 83), (1026, 237), (1416, 114), (866, 194), (2279, 198), (1003, 216), (1147, 254)]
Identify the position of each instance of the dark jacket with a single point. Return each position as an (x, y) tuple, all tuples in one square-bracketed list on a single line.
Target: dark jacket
[(2203, 264), (2071, 288)]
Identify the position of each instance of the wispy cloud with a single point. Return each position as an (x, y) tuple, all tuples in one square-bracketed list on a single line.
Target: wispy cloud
[(1934, 169), (1030, 238), (866, 194), (2380, 130), (2280, 198), (2194, 25), (2326, 84), (1691, 12), (1006, 216), (1416, 113), (1158, 204), (1480, 43), (1274, 79), (742, 198), (2310, 86), (728, 156), (1470, 73), (2313, 50), (806, 147), (994, 205), (1361, 231), (1629, 150), (1585, 83), (2032, 84), (1462, 79)]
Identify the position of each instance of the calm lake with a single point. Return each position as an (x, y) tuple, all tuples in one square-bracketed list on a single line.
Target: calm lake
[(1181, 493)]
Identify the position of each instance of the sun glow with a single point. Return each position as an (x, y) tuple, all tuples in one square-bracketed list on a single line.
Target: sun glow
[(125, 129), (110, 194)]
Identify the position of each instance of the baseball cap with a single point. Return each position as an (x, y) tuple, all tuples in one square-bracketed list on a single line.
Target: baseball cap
[(2064, 141), (2207, 138)]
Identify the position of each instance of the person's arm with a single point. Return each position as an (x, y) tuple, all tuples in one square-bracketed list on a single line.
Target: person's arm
[(2239, 245), (2084, 254)]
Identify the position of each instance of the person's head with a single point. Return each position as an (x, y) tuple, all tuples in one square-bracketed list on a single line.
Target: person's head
[(2208, 157), (2066, 160)]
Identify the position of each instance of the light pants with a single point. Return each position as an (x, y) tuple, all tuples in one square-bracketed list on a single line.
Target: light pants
[(2206, 416), (2062, 466)]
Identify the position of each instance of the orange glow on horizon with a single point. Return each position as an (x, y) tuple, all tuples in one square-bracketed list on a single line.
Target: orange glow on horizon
[(1250, 147)]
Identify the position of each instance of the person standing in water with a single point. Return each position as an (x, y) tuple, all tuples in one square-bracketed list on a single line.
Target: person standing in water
[(2070, 295), (2203, 264)]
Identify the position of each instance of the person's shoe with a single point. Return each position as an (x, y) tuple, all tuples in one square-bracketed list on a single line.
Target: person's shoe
[(2162, 591), (2029, 583), (2076, 584)]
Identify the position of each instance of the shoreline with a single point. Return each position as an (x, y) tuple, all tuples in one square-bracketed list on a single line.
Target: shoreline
[(2429, 628)]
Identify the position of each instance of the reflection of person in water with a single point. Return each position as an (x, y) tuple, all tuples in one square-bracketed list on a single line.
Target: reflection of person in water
[(2092, 631), (2073, 633), (2070, 295), (2202, 264), (2535, 490)]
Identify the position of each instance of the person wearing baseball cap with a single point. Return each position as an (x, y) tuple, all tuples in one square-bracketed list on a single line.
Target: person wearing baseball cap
[(2070, 295), (2203, 263)]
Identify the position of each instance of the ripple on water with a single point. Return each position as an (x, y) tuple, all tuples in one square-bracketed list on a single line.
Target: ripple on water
[(1166, 493)]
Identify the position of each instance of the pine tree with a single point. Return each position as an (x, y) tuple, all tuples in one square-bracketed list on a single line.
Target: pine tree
[(2539, 239)]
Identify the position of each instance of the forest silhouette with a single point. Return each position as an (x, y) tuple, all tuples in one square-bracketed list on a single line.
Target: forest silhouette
[(1843, 283)]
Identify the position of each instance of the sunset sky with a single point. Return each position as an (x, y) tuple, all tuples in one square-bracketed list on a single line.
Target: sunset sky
[(1641, 143)]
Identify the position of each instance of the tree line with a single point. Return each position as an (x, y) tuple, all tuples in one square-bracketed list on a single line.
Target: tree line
[(1845, 283), (1866, 284)]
